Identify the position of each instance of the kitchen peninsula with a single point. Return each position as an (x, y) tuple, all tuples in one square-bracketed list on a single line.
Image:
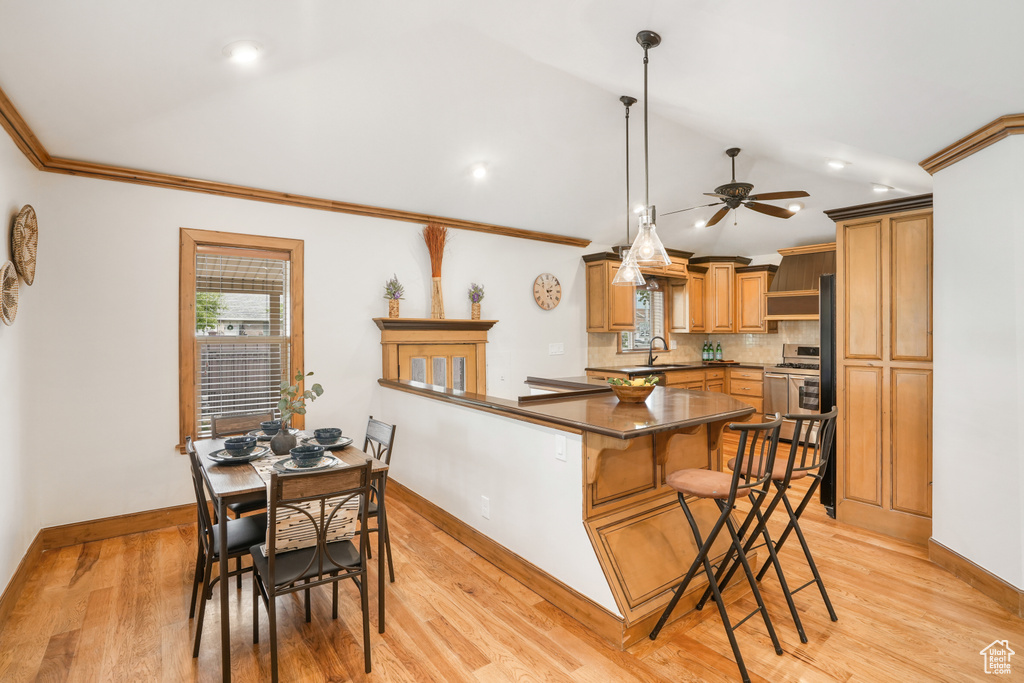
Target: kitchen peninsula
[(565, 490)]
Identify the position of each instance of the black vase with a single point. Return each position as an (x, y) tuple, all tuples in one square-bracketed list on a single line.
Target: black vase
[(284, 441)]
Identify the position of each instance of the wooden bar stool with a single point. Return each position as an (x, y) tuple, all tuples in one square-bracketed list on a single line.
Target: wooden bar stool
[(755, 457)]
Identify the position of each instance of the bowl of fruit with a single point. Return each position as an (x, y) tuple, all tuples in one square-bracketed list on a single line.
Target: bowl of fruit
[(635, 390)]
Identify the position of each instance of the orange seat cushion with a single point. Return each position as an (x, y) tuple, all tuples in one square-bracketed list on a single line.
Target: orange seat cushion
[(701, 483), (778, 470)]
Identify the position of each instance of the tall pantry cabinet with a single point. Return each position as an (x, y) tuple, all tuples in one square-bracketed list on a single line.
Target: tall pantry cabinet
[(884, 366)]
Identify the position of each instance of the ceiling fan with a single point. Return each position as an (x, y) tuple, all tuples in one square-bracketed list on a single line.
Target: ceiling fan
[(734, 194)]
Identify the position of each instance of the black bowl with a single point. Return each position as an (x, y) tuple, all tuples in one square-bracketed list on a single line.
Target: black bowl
[(307, 456), (327, 435), (239, 446), (271, 427)]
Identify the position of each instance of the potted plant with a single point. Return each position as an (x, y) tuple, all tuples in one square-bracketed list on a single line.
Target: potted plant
[(476, 295), (293, 402), (393, 291)]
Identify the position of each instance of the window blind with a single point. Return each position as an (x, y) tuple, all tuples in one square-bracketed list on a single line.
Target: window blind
[(243, 332)]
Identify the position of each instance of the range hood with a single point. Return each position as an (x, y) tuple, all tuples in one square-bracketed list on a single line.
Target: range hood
[(793, 294)]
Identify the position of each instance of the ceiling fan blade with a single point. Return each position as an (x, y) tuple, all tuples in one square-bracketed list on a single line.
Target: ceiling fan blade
[(718, 216), (715, 194), (702, 206), (770, 210), (793, 194)]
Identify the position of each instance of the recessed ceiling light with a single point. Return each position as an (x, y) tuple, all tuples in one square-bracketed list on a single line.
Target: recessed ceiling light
[(879, 187), (479, 171), (838, 164), (700, 224), (795, 206), (243, 51)]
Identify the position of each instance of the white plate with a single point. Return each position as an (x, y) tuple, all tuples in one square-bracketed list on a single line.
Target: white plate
[(288, 465), (223, 457)]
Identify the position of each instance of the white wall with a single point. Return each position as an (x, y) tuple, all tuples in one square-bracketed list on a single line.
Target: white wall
[(102, 327), (20, 390), (978, 490)]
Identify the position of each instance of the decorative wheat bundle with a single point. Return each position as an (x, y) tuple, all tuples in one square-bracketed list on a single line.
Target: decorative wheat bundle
[(436, 236)]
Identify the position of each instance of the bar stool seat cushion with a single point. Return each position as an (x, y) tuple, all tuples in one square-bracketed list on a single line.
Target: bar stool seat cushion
[(701, 483), (778, 471)]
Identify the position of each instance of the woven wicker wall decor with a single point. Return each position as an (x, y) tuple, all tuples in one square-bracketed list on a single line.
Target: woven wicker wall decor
[(24, 239), (9, 285)]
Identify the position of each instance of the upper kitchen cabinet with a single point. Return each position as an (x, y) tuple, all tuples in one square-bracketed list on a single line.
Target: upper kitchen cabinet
[(752, 284), (609, 307), (720, 294), (793, 294), (884, 366)]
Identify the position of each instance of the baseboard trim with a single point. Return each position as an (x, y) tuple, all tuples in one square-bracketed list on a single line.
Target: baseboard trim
[(17, 583), (979, 578), (121, 525), (597, 618)]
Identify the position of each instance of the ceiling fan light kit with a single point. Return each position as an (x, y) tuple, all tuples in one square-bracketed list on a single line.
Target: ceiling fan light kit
[(647, 249)]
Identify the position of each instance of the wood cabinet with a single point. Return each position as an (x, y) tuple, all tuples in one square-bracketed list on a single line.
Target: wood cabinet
[(450, 353), (720, 291), (697, 298), (752, 284), (884, 359), (610, 308), (747, 385)]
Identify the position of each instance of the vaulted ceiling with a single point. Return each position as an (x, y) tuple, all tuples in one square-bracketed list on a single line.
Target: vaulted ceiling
[(390, 103)]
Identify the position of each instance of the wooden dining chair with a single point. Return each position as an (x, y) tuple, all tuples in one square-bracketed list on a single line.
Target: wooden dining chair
[(379, 442), (242, 534), (315, 518)]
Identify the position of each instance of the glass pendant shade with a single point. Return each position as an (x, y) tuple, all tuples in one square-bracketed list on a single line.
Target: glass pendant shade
[(629, 274), (647, 249)]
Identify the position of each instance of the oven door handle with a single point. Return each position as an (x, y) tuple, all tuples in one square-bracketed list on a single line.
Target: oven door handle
[(771, 375)]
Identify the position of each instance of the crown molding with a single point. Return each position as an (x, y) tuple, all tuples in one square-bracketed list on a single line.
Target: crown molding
[(36, 153), (1004, 126)]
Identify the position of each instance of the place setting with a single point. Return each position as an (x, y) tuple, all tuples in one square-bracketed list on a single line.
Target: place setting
[(239, 449)]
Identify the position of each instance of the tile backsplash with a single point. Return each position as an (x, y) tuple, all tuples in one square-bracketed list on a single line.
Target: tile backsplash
[(602, 349)]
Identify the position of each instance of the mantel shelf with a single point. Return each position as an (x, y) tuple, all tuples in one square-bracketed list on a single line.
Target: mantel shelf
[(410, 324)]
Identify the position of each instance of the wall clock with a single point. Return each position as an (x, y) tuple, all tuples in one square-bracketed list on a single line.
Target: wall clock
[(547, 291)]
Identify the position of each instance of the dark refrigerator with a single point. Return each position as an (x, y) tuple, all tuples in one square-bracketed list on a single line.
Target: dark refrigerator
[(827, 384)]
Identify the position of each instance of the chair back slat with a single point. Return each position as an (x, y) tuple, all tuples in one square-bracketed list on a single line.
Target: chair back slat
[(755, 456), (812, 442), (380, 439), (199, 487), (238, 423), (312, 503)]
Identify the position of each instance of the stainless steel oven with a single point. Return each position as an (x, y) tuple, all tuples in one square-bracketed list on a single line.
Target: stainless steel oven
[(792, 386)]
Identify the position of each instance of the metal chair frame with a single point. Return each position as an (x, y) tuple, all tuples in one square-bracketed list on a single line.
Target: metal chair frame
[(757, 445), (378, 444)]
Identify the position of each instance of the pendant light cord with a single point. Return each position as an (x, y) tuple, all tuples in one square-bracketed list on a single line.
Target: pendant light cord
[(647, 170), (627, 173)]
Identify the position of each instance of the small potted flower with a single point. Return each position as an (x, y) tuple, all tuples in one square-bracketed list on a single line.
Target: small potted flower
[(476, 295), (393, 291)]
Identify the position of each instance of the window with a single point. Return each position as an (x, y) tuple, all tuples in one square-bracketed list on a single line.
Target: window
[(649, 321), (240, 325)]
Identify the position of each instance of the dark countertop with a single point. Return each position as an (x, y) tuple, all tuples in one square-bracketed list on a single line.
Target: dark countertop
[(666, 409), (633, 370)]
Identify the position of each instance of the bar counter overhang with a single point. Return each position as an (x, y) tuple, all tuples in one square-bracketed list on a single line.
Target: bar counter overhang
[(576, 502)]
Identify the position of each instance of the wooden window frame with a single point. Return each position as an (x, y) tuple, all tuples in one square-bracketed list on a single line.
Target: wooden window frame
[(189, 241)]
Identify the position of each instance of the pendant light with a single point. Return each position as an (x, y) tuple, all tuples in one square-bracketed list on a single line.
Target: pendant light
[(629, 274), (647, 249)]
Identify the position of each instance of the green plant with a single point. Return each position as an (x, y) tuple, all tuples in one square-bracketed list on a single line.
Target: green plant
[(635, 382), (293, 401), (209, 306), (393, 289), (476, 293)]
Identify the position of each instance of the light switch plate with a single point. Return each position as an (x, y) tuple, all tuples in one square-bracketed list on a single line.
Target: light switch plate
[(556, 349), (560, 447)]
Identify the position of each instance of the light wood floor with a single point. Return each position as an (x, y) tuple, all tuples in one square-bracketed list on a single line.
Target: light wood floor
[(118, 610)]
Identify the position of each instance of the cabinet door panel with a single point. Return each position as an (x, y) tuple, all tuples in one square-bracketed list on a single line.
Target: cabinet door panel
[(720, 296), (597, 298), (911, 247), (620, 312), (698, 303), (448, 365), (911, 440), (750, 290), (863, 434), (862, 288)]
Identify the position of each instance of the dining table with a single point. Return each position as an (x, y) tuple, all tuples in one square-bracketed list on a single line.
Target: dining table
[(240, 483)]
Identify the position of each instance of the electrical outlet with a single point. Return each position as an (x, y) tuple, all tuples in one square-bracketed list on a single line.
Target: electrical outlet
[(556, 349), (560, 447), (672, 345), (485, 507)]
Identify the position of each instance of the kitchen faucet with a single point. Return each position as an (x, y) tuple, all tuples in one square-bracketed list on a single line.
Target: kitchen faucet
[(650, 352)]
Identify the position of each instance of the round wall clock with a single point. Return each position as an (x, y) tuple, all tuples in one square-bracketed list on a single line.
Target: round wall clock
[(547, 291)]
